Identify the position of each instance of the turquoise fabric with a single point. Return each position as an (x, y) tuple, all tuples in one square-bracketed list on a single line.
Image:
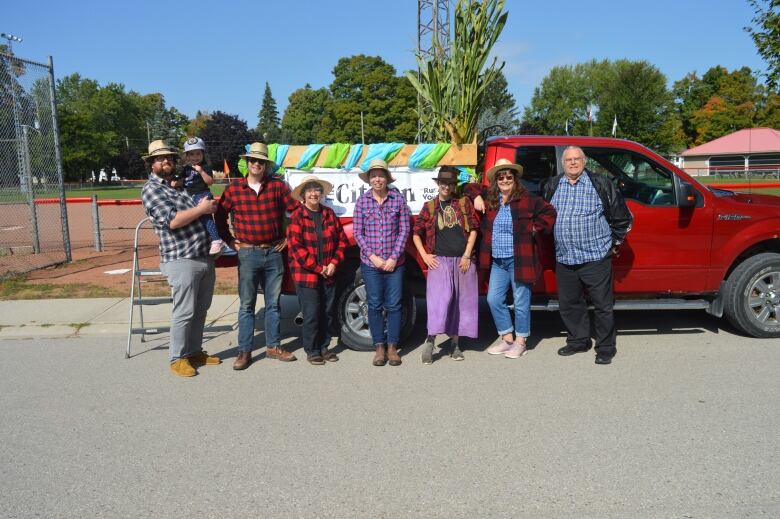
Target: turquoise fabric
[(309, 157), (383, 150), (427, 156), (337, 152), (281, 154), (354, 156), (419, 153)]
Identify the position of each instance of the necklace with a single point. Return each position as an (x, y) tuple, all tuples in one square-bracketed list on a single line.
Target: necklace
[(447, 217)]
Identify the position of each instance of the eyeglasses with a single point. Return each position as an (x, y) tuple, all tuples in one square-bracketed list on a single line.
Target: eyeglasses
[(169, 158), (573, 159), (507, 176), (253, 160)]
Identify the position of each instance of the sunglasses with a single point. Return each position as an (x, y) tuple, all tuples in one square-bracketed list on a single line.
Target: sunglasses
[(253, 160), (507, 176), (170, 159)]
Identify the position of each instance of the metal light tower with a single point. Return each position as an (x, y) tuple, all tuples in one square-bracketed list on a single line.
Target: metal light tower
[(433, 25), (11, 38)]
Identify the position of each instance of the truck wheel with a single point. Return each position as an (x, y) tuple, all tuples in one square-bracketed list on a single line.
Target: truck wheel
[(353, 315), (752, 296)]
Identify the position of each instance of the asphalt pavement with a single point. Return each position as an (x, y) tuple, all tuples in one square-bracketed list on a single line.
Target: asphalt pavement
[(684, 423)]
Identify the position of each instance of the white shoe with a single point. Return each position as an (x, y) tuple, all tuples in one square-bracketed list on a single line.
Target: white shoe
[(500, 348), (516, 351)]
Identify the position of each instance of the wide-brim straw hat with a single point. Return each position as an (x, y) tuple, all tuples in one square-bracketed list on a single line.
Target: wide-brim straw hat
[(502, 164), (160, 147), (377, 164), (258, 150), (327, 187)]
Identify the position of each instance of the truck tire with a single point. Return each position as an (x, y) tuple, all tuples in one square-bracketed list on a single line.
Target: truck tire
[(353, 315), (752, 296)]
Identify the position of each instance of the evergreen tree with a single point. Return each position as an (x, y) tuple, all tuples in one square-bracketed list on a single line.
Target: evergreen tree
[(268, 118)]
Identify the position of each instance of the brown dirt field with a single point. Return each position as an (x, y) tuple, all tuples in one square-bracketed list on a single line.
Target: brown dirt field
[(86, 275)]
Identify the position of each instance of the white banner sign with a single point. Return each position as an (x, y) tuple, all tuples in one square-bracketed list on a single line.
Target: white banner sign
[(416, 185)]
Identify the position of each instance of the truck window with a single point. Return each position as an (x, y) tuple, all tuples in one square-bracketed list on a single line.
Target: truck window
[(636, 177), (539, 163)]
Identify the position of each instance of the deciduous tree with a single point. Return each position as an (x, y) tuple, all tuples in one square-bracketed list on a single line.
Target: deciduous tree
[(765, 32), (225, 136)]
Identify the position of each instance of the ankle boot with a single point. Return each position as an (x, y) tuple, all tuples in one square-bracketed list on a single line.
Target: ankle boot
[(392, 355), (380, 357)]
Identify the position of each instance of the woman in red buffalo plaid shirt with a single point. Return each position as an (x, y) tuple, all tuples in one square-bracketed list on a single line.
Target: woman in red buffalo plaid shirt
[(316, 243)]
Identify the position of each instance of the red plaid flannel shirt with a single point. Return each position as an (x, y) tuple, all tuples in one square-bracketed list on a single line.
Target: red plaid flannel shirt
[(302, 246), (256, 218), (531, 214), (425, 224)]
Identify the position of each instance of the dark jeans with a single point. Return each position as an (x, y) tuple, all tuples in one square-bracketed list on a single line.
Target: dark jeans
[(207, 220), (384, 292), (259, 267), (596, 278), (317, 308)]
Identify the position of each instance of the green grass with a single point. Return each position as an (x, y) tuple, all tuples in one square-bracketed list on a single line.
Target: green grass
[(122, 193)]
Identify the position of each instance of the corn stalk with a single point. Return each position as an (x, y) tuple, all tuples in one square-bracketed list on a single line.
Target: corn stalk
[(454, 86)]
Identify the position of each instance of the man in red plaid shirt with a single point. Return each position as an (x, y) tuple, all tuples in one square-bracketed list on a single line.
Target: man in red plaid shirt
[(256, 206)]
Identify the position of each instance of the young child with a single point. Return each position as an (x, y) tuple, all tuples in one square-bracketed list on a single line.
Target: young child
[(197, 178)]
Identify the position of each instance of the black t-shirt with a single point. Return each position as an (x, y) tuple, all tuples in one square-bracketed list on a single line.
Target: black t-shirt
[(193, 181), (317, 217), (450, 240)]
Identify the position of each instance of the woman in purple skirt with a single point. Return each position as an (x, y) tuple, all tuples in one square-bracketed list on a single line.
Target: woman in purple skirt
[(448, 225)]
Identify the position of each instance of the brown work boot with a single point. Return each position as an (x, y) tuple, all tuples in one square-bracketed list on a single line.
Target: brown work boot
[(243, 361), (392, 355), (202, 358), (280, 354), (380, 357)]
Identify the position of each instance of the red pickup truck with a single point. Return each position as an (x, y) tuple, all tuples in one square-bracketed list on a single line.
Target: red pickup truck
[(691, 246)]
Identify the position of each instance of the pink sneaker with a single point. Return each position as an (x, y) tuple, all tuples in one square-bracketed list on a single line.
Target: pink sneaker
[(500, 348), (216, 248), (516, 351)]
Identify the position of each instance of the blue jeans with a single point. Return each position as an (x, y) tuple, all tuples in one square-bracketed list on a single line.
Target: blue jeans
[(207, 220), (259, 267), (502, 275), (384, 291)]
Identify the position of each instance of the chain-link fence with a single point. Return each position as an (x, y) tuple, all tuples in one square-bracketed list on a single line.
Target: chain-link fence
[(31, 235)]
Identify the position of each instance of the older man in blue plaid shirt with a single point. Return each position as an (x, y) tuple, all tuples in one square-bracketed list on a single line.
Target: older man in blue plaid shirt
[(592, 223), (184, 258)]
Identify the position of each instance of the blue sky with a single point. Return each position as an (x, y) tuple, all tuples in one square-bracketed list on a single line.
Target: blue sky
[(218, 55)]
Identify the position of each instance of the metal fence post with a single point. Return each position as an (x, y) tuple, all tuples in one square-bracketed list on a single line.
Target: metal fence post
[(96, 224), (58, 161)]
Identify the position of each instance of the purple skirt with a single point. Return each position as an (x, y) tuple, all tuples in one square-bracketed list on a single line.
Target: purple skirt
[(451, 296)]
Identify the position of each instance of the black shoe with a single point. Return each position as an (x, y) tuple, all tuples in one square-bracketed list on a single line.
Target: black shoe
[(603, 359), (571, 350)]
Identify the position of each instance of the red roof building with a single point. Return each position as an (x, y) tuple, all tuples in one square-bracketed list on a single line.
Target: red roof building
[(754, 149)]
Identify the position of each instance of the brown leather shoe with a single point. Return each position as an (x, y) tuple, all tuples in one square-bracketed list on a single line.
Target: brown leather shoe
[(243, 361), (280, 354), (380, 357), (392, 355)]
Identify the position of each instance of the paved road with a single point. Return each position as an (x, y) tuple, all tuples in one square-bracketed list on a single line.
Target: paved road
[(684, 423)]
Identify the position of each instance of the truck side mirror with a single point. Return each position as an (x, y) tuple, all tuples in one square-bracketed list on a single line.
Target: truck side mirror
[(687, 196)]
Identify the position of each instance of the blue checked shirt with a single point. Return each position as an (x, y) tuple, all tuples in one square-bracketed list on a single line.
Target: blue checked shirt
[(161, 203), (502, 244), (582, 233)]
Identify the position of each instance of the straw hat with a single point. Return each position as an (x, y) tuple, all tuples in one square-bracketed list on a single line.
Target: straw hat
[(157, 148), (327, 187), (502, 164), (257, 150), (376, 164)]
